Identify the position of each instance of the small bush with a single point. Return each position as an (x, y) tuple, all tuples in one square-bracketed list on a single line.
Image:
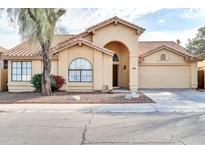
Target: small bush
[(56, 82), (36, 81), (59, 81)]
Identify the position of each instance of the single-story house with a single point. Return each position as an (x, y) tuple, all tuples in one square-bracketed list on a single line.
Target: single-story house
[(105, 56)]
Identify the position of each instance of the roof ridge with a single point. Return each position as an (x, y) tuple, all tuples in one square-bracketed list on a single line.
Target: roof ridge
[(113, 19)]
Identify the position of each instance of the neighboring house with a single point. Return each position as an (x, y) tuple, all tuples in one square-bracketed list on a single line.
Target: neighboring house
[(104, 56), (2, 50)]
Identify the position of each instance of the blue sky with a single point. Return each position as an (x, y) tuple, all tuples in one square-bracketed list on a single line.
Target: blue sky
[(160, 24)]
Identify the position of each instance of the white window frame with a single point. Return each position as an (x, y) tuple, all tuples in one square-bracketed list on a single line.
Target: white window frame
[(80, 70), (17, 71)]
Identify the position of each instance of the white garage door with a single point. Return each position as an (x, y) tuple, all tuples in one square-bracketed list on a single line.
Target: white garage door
[(164, 76)]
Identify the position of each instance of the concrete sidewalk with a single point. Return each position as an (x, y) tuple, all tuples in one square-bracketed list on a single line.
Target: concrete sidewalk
[(127, 108), (101, 108)]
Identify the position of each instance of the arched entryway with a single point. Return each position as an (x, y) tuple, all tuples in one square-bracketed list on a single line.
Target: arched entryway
[(120, 64)]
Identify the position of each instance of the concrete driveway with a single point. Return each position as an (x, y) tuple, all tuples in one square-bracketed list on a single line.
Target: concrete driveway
[(177, 100), (183, 100)]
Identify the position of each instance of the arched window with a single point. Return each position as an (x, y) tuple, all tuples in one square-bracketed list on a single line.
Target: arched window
[(80, 70), (115, 57), (163, 57)]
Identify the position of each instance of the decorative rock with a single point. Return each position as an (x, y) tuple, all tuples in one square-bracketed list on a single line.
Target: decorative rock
[(128, 96), (74, 98), (134, 95)]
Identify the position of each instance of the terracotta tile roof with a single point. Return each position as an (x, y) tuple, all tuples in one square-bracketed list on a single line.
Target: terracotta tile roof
[(80, 35), (33, 48), (3, 50), (115, 19), (101, 24), (80, 41), (146, 47)]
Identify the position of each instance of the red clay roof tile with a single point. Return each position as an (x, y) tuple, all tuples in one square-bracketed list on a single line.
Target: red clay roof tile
[(32, 48), (3, 50), (146, 47)]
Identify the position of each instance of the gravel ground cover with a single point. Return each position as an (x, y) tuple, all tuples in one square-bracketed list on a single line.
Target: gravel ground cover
[(67, 97)]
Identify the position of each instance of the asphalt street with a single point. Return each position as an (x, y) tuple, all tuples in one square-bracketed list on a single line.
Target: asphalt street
[(101, 128)]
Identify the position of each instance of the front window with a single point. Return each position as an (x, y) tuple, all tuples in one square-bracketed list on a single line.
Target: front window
[(80, 70), (21, 71)]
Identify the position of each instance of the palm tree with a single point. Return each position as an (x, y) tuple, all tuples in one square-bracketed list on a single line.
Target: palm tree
[(39, 24)]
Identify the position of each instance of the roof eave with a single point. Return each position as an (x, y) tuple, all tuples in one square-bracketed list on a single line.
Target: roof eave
[(167, 48), (26, 57), (80, 42)]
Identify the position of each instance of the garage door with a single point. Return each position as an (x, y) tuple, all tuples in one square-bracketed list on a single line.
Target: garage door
[(164, 76)]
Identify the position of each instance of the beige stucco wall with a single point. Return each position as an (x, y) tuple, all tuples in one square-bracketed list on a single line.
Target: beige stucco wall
[(123, 54), (37, 67), (107, 71), (102, 68), (201, 64), (1, 62), (172, 58), (126, 36), (194, 75), (172, 73)]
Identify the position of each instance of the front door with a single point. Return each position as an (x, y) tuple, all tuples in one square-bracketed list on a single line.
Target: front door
[(115, 75)]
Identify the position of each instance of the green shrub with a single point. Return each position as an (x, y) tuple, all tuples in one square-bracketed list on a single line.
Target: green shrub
[(36, 81), (56, 82)]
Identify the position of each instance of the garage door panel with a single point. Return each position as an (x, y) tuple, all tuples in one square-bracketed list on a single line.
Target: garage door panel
[(164, 77)]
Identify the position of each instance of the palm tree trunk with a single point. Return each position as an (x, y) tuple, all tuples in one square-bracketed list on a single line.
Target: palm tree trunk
[(45, 82)]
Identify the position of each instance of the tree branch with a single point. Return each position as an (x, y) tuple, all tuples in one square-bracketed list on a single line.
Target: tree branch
[(31, 14), (59, 13)]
